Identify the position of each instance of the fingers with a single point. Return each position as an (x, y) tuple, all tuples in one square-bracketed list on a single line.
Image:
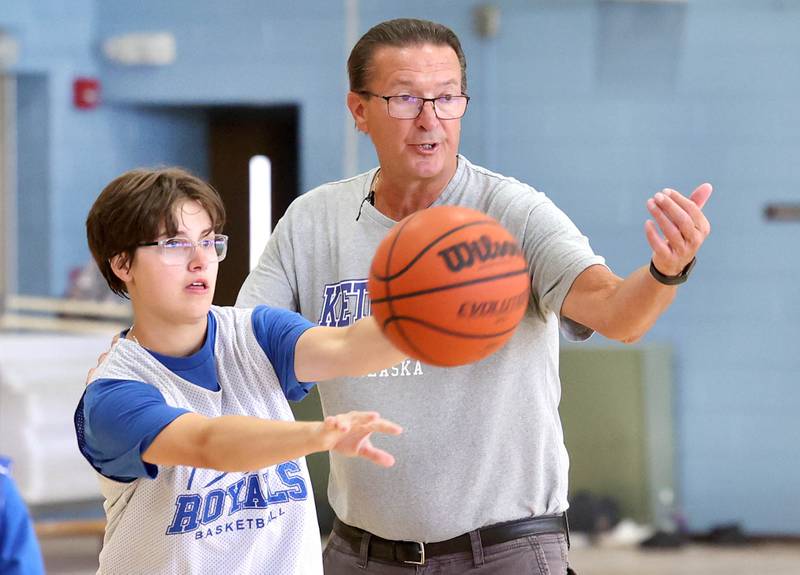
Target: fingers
[(100, 359), (376, 456), (683, 225), (90, 376), (675, 221), (337, 423), (362, 423), (350, 435), (657, 244), (701, 194), (384, 426), (371, 421), (693, 206)]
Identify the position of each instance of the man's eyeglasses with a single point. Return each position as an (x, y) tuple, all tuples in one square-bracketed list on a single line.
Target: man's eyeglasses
[(179, 251), (409, 107)]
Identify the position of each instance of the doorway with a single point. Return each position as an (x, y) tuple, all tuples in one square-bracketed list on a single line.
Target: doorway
[(235, 135)]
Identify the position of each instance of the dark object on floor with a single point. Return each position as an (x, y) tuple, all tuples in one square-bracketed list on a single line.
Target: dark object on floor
[(591, 514), (663, 540), (728, 534)]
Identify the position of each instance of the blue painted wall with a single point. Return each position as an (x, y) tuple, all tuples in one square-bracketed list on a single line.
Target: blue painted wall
[(598, 104), (243, 52), (66, 155), (33, 176), (54, 42)]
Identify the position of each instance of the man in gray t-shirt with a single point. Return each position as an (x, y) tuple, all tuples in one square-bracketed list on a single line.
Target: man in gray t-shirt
[(483, 443)]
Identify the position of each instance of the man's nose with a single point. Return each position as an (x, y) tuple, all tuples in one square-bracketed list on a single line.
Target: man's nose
[(427, 115)]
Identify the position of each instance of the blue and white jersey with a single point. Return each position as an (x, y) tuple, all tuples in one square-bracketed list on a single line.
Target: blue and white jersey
[(189, 520)]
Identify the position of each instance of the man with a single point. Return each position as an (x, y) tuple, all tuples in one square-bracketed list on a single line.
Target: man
[(481, 474)]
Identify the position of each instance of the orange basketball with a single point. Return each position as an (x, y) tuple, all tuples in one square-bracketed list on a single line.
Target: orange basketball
[(449, 285)]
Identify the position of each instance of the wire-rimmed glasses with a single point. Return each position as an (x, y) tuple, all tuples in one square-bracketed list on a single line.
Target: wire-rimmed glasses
[(180, 250), (405, 107)]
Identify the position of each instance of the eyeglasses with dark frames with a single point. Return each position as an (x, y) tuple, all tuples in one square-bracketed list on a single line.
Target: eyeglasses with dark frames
[(405, 107)]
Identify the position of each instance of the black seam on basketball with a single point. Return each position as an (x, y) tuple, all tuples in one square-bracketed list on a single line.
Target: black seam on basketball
[(447, 331), (391, 250), (419, 354), (400, 330), (424, 250), (390, 298)]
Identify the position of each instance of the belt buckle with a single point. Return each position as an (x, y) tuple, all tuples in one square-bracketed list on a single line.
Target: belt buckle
[(421, 554)]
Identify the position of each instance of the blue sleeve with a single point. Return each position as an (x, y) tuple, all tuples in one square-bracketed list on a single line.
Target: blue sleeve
[(116, 421), (277, 331), (19, 551)]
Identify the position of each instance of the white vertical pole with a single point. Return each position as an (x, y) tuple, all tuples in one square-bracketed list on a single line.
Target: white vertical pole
[(8, 187), (350, 154), (260, 206)]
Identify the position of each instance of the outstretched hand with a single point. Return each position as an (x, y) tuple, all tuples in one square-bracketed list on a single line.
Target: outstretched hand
[(683, 225), (100, 359), (349, 434)]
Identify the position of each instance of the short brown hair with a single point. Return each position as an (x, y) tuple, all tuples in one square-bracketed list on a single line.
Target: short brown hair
[(398, 34), (136, 207)]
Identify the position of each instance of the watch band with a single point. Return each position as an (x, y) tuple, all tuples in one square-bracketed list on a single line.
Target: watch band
[(672, 280)]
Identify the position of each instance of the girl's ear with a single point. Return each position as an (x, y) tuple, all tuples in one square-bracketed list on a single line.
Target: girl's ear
[(121, 266)]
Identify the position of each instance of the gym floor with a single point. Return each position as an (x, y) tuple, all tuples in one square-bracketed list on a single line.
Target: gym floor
[(78, 556), (761, 559)]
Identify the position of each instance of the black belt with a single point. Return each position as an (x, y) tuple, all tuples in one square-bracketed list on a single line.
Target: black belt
[(416, 552)]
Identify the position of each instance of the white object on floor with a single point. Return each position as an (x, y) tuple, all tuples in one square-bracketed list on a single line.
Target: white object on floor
[(42, 377), (625, 533)]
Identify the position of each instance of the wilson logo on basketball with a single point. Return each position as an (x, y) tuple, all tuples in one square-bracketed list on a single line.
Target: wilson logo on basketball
[(467, 254)]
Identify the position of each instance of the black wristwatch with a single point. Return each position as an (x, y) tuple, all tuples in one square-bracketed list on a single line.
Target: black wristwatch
[(672, 280)]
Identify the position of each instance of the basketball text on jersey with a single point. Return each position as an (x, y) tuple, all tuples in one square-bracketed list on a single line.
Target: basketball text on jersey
[(207, 512), (346, 302)]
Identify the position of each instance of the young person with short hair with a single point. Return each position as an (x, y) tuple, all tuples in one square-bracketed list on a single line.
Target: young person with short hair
[(186, 417)]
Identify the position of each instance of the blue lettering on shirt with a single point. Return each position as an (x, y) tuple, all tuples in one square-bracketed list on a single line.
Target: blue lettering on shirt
[(344, 303), (187, 509), (214, 504), (286, 472), (255, 497), (233, 490), (195, 509)]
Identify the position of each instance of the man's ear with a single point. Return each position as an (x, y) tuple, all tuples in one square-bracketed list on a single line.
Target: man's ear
[(121, 266), (357, 107)]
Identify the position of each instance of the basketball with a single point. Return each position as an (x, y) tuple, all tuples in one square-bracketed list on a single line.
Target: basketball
[(448, 285)]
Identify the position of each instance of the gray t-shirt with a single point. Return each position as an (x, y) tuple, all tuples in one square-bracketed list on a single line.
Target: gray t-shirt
[(483, 442)]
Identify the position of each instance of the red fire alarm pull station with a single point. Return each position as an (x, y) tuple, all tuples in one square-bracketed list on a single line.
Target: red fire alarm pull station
[(86, 93)]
